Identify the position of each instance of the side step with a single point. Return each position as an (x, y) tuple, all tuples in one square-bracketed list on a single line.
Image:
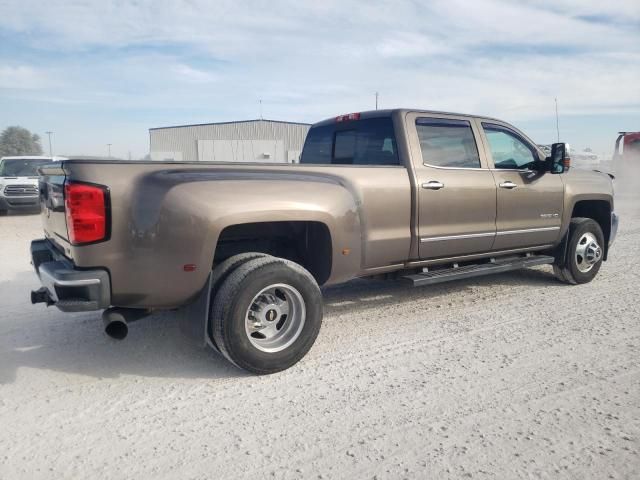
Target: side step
[(469, 271)]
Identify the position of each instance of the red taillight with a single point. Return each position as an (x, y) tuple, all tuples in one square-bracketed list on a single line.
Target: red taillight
[(86, 210), (347, 117), (566, 162)]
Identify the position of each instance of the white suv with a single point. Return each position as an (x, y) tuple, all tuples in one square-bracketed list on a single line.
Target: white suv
[(19, 182)]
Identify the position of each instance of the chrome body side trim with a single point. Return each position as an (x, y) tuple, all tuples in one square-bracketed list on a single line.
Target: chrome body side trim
[(457, 237), (528, 230)]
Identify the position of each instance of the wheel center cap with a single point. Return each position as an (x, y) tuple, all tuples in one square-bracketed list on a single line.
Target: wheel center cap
[(594, 252), (270, 315)]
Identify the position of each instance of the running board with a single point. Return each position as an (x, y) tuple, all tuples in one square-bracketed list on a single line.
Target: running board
[(470, 271)]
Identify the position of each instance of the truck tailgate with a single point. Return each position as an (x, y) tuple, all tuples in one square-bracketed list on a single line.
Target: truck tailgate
[(52, 202)]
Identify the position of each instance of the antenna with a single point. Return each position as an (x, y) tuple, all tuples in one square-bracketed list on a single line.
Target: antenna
[(377, 100), (50, 149), (557, 122)]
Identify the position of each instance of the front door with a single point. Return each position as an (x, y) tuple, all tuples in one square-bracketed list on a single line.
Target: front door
[(456, 197), (530, 203)]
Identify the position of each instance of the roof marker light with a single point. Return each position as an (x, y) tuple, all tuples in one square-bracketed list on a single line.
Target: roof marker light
[(347, 117)]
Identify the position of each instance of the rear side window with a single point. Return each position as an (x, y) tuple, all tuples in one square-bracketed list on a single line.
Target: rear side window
[(360, 142), (447, 143)]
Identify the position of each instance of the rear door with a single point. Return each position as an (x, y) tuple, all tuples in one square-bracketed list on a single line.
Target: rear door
[(529, 203), (456, 195)]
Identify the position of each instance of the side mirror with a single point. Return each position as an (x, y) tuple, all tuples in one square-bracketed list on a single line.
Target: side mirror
[(559, 160)]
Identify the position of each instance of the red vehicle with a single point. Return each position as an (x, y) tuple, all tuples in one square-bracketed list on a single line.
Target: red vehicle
[(630, 146)]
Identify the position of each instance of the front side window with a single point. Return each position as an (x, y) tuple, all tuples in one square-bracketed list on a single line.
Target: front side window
[(368, 141), (447, 143), (507, 149)]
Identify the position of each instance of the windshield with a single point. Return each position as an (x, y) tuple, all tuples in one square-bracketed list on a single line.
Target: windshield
[(21, 167)]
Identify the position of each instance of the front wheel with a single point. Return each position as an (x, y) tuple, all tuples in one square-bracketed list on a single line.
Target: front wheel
[(585, 252), (266, 315)]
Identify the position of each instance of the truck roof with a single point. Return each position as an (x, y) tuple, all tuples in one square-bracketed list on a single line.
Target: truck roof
[(33, 157), (400, 111)]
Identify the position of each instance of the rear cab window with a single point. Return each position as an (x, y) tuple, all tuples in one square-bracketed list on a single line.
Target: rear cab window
[(368, 141)]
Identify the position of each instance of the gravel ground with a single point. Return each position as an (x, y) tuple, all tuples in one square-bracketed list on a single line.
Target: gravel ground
[(509, 376)]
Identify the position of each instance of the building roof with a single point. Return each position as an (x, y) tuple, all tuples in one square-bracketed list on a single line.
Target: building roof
[(227, 123)]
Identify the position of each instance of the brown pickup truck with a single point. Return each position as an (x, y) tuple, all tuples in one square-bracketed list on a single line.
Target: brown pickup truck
[(240, 250)]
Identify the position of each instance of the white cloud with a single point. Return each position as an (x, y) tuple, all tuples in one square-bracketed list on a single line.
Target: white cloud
[(193, 75), (409, 44), (23, 77)]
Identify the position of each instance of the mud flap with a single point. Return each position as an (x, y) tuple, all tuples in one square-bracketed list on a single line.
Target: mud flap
[(193, 319), (560, 253)]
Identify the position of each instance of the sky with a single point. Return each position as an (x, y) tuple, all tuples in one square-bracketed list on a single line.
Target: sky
[(99, 72)]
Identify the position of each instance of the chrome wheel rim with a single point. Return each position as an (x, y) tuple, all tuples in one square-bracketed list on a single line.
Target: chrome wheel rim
[(588, 252), (275, 318)]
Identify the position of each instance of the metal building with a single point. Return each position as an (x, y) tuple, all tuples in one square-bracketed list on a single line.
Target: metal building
[(243, 141)]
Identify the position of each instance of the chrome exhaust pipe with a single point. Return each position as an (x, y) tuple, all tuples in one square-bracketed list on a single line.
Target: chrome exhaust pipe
[(116, 320), (115, 324)]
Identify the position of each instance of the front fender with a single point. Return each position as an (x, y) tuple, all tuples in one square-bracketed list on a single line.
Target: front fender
[(584, 185)]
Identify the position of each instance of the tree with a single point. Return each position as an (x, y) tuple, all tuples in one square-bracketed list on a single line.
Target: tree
[(19, 141)]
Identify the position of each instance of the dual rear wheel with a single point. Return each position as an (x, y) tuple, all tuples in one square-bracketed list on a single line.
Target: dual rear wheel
[(266, 312)]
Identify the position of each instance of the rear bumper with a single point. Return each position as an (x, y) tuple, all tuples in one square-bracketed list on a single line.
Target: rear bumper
[(65, 286), (614, 228), (19, 203)]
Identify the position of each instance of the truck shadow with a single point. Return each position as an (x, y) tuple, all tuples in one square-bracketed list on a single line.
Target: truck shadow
[(364, 293), (76, 344), (41, 338)]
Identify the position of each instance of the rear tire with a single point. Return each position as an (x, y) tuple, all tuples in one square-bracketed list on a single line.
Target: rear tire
[(220, 274), (584, 254), (223, 269), (270, 295)]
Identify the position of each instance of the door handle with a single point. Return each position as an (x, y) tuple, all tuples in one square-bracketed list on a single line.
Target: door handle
[(508, 184), (433, 185)]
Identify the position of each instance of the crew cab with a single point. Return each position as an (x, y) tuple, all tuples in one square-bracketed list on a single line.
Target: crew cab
[(240, 250)]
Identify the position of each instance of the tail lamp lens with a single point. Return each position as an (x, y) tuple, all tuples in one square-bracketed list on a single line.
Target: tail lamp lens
[(86, 211)]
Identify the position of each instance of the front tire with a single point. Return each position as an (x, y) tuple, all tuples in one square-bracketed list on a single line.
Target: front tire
[(266, 315), (585, 252)]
